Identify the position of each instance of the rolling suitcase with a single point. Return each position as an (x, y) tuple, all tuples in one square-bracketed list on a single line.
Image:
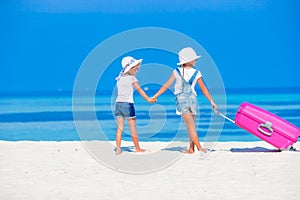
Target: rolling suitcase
[(267, 126)]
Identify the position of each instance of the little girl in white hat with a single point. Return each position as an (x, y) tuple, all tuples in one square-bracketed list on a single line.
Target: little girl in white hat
[(186, 77), (126, 82)]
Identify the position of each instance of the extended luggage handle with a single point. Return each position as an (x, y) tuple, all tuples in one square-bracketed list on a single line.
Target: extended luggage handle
[(222, 115), (260, 128), (268, 126)]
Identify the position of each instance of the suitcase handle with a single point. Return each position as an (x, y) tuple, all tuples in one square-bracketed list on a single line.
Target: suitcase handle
[(267, 126), (222, 115)]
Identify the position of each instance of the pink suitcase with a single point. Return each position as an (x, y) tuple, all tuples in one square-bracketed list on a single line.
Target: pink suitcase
[(267, 126)]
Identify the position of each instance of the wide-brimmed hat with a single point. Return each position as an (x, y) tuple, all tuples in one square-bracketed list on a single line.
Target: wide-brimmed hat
[(128, 62), (186, 55)]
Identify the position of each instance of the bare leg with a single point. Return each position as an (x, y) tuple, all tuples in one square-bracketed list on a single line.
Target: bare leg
[(192, 144), (191, 149), (120, 123), (132, 127), (191, 128)]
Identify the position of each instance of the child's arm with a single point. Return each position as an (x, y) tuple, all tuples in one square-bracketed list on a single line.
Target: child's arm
[(165, 86), (142, 93), (206, 93)]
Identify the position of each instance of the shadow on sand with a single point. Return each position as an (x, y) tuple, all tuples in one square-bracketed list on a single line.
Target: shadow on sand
[(179, 149), (127, 149), (254, 150)]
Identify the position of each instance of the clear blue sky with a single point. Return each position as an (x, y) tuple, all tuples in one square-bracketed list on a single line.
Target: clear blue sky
[(253, 43)]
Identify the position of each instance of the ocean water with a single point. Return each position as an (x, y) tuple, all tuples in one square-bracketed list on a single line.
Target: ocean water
[(49, 117)]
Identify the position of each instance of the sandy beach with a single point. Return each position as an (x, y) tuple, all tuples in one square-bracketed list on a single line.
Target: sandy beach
[(66, 170)]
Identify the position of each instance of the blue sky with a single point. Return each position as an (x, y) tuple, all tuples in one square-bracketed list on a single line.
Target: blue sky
[(253, 43)]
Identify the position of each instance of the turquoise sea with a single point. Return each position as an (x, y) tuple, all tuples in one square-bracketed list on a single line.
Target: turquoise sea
[(49, 116)]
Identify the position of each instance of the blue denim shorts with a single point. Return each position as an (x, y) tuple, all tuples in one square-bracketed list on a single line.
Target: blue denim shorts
[(125, 110), (186, 104)]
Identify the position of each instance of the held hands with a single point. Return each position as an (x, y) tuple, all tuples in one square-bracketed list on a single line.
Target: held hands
[(151, 100), (154, 98)]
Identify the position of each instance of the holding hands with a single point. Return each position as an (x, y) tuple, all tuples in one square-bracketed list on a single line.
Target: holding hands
[(151, 100)]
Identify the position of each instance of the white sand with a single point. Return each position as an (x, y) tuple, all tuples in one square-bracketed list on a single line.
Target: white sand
[(65, 170)]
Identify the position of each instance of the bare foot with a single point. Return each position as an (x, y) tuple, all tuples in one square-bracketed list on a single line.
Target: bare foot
[(140, 150), (188, 151), (118, 151)]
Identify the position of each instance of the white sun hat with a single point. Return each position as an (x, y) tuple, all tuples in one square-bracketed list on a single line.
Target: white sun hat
[(128, 62), (186, 55)]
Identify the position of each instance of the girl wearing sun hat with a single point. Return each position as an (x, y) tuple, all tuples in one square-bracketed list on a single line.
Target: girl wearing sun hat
[(126, 82), (186, 76)]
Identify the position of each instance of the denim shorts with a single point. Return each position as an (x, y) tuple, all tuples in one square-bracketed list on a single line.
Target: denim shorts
[(186, 104), (125, 110)]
